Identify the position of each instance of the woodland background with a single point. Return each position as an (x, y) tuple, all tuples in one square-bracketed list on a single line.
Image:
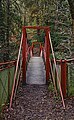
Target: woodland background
[(57, 14)]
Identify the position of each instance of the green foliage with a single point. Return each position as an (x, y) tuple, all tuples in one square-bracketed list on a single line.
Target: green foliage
[(4, 77), (70, 85), (51, 13), (10, 27), (2, 29), (50, 87), (40, 37)]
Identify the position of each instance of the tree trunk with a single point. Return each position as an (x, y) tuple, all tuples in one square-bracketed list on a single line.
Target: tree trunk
[(2, 32), (37, 19), (72, 40), (7, 32), (71, 4)]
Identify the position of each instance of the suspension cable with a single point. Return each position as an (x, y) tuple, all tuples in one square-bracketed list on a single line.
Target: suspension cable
[(57, 71), (13, 87), (53, 78)]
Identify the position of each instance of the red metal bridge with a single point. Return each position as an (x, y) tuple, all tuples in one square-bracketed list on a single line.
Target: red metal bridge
[(35, 70)]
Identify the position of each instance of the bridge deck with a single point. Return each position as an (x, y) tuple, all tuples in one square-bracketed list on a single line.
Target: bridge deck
[(36, 71)]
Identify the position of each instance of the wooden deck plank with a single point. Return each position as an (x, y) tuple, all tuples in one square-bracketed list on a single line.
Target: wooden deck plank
[(36, 71)]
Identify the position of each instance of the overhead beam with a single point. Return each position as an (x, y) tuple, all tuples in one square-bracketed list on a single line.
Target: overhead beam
[(36, 27)]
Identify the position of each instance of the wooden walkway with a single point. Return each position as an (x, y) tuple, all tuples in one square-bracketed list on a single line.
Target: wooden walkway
[(36, 71)]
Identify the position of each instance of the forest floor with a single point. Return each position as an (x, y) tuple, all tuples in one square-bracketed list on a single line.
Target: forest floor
[(36, 102)]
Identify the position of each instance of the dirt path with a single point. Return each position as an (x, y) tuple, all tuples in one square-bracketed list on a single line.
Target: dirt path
[(35, 102)]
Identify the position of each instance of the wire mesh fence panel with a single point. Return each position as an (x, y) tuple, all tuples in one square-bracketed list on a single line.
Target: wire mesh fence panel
[(12, 70), (6, 81), (55, 75), (59, 74), (3, 87), (70, 81)]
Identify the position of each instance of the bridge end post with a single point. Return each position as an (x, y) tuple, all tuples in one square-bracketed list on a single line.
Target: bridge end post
[(24, 56), (63, 77), (47, 56)]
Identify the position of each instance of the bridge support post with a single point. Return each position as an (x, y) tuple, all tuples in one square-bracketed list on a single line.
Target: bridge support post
[(47, 56), (24, 56), (63, 77)]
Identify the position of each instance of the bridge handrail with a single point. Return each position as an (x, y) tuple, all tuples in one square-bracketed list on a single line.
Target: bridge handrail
[(6, 65), (8, 62), (44, 52), (19, 59), (27, 53), (67, 60), (66, 75), (31, 54)]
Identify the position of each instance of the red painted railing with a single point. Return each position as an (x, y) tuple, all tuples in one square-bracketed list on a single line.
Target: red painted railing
[(63, 64), (25, 52), (22, 59), (6, 65), (64, 70), (47, 50)]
